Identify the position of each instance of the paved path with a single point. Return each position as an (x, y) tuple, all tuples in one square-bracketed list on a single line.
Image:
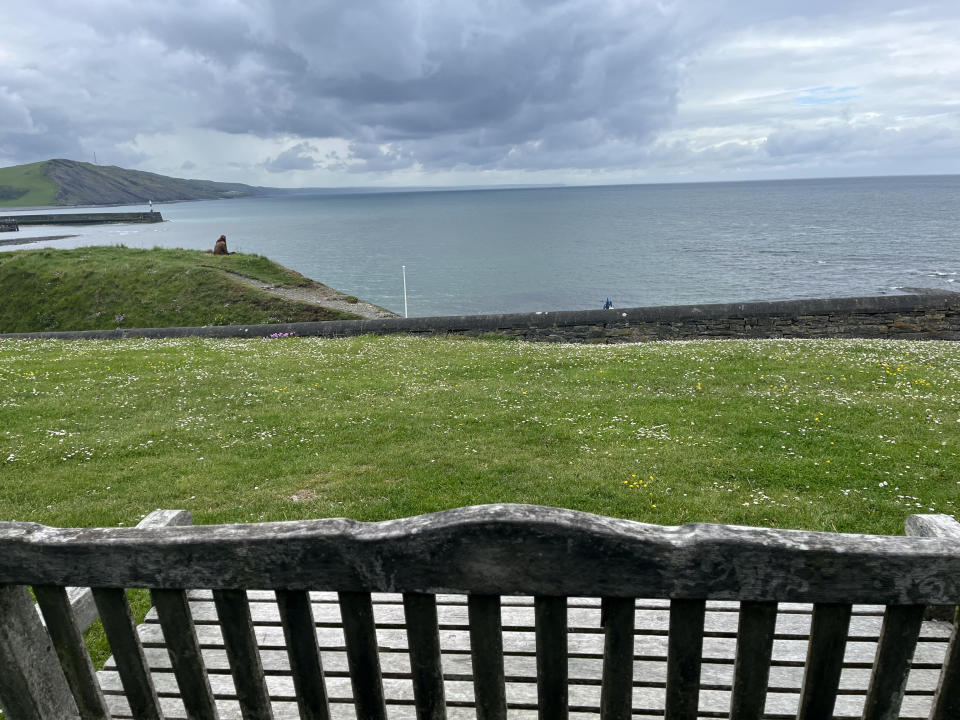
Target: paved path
[(320, 294)]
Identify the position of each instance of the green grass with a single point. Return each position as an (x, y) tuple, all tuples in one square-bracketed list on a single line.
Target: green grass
[(26, 186), (101, 288), (825, 435)]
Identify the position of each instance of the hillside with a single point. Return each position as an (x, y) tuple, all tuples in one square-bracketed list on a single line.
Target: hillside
[(67, 182), (101, 288)]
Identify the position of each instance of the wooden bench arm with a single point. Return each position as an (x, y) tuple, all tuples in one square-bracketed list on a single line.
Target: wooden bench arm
[(32, 683), (942, 526)]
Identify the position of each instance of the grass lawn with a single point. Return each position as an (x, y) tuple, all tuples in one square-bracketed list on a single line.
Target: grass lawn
[(102, 288), (825, 435)]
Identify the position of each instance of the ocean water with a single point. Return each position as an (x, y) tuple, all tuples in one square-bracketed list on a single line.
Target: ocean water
[(492, 251)]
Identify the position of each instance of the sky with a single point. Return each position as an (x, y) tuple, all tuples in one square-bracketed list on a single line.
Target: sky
[(364, 93)]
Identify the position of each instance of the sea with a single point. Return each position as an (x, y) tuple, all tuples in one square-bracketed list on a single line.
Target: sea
[(568, 248)]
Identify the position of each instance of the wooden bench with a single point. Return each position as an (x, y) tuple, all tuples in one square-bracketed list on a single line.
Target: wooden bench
[(481, 612)]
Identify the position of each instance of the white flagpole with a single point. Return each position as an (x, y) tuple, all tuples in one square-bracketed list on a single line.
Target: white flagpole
[(404, 290)]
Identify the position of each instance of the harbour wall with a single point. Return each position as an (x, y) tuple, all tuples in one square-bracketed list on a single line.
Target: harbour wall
[(82, 218), (925, 315)]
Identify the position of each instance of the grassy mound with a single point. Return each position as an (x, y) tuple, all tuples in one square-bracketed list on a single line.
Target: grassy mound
[(101, 288)]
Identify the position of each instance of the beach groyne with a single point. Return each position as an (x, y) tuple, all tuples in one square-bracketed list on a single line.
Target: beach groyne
[(924, 315), (82, 218)]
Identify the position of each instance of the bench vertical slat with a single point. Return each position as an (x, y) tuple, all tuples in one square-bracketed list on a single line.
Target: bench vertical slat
[(550, 620), (74, 659), (423, 637), (946, 701), (486, 654), (240, 642), (888, 681), (684, 656), (360, 632), (132, 666), (180, 637), (821, 677), (616, 690), (300, 633), (751, 668), (32, 683)]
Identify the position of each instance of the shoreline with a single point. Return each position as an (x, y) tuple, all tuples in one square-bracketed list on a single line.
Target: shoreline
[(29, 240)]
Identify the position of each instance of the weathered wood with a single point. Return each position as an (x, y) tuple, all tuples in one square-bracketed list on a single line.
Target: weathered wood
[(360, 633), (828, 639), (74, 659), (81, 598), (119, 627), (552, 670), (599, 556), (181, 640), (616, 695), (83, 606), (32, 683), (240, 643), (585, 663), (424, 641), (486, 655), (300, 636), (933, 525), (939, 526), (684, 658), (946, 702), (888, 682), (751, 674)]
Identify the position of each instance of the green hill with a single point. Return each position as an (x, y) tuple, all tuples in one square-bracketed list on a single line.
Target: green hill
[(67, 182), (101, 288)]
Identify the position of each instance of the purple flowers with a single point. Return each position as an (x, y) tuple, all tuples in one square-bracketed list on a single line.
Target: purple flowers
[(282, 334)]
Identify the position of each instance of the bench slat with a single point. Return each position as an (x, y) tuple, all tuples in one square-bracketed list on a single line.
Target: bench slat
[(946, 702), (888, 681), (306, 667), (131, 664), (828, 640), (486, 655), (751, 671), (684, 653), (67, 639), (550, 618), (356, 609), (180, 636), (616, 691), (423, 636), (240, 642)]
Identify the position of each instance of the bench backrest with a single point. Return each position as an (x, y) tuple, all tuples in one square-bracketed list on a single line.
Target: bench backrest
[(483, 552)]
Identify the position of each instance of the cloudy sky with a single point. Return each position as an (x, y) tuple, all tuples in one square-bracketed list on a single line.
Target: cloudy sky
[(477, 92)]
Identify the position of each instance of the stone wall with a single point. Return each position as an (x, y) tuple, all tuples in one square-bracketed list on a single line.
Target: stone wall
[(924, 316), (95, 218)]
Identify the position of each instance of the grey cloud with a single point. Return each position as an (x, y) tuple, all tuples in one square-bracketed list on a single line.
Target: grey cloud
[(297, 157), (482, 85)]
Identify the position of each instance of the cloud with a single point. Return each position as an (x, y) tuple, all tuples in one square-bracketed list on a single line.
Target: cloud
[(437, 88), (297, 157)]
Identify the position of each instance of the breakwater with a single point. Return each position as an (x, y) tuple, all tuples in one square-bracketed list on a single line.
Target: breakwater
[(82, 218), (919, 316)]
